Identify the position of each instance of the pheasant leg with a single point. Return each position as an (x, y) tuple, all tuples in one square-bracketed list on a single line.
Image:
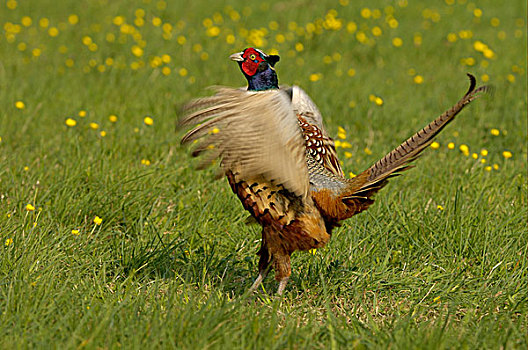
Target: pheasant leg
[(262, 275), (282, 266), (282, 285), (264, 266)]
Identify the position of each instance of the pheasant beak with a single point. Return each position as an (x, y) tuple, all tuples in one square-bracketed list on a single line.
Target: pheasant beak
[(237, 57)]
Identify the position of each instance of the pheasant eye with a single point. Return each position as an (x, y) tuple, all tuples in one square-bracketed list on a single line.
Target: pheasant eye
[(252, 57)]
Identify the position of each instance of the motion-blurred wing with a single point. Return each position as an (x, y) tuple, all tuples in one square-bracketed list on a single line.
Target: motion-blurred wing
[(253, 134)]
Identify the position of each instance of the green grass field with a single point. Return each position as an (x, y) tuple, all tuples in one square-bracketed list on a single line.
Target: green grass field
[(109, 237)]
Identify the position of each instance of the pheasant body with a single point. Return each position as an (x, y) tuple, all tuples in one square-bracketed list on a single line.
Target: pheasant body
[(283, 166)]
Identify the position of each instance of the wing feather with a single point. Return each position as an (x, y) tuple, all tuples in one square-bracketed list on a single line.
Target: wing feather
[(308, 113), (253, 134)]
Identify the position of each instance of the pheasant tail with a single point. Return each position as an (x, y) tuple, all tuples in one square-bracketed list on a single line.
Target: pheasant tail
[(374, 178)]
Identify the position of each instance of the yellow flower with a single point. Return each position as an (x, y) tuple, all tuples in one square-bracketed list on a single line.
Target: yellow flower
[(464, 148), (495, 132), (469, 61), (366, 13), (393, 23), (351, 174), (351, 27), (112, 118), (367, 151), (82, 113), (53, 32), (435, 145), (71, 122), (156, 21), (313, 251), (75, 232), (299, 47), (376, 31), (474, 156), (495, 22), (230, 39), (348, 155), (315, 76), (182, 72), (118, 20), (97, 220), (26, 21), (496, 166), (488, 168), (148, 121), (346, 144), (20, 105), (145, 161), (165, 58), (351, 72), (378, 101), (212, 31), (86, 40), (484, 152), (479, 46), (44, 22), (94, 126), (102, 133), (73, 19), (397, 42), (216, 131), (341, 135), (8, 242), (30, 207), (418, 79), (439, 207), (488, 53), (507, 154), (181, 40), (483, 160), (137, 51)]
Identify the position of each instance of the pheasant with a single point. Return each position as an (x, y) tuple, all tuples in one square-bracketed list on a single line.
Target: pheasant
[(282, 164)]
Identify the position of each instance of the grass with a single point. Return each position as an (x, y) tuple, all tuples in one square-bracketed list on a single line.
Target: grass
[(439, 261)]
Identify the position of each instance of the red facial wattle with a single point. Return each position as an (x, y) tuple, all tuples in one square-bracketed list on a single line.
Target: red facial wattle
[(252, 59)]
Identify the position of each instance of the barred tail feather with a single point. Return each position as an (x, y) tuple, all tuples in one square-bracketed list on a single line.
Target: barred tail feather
[(399, 159)]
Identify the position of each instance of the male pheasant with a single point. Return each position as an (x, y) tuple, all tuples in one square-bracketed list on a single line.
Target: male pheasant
[(282, 165)]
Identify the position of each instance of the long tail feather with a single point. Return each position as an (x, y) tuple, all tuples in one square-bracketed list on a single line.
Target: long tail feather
[(375, 177)]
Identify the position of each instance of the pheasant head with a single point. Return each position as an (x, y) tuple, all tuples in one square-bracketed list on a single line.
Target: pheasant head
[(257, 68)]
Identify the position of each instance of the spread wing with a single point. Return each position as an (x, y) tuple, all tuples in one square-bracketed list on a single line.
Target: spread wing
[(318, 143), (252, 133)]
